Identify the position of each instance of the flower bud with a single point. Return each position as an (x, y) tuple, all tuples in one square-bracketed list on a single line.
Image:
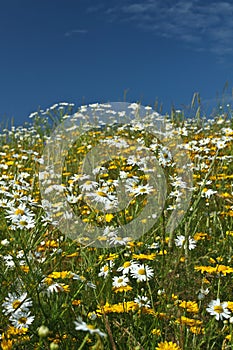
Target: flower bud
[(54, 346), (43, 331)]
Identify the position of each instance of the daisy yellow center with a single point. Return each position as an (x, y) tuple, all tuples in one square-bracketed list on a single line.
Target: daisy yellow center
[(120, 280), (105, 268), (141, 272), (88, 182), (102, 194), (23, 223), (89, 326), (142, 190), (16, 304), (22, 320), (19, 212), (119, 239), (218, 309)]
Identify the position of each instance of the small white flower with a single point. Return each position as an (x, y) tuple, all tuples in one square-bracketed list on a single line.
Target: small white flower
[(141, 272), (218, 309), (125, 268), (203, 292), (55, 288), (104, 271), (80, 325), (21, 319), (120, 281), (91, 285), (154, 245), (139, 189), (180, 242), (72, 199), (5, 242), (15, 303), (208, 193), (142, 301), (8, 260), (117, 240), (89, 185), (165, 156), (23, 222)]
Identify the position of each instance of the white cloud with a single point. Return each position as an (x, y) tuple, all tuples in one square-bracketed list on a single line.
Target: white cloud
[(76, 31), (202, 25)]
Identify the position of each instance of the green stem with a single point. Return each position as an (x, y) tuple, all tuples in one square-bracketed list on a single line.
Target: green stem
[(84, 342)]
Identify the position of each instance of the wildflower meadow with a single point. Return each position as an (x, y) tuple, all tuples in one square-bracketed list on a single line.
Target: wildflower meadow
[(123, 276)]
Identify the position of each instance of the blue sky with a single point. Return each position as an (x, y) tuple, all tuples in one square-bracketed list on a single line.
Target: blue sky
[(86, 51)]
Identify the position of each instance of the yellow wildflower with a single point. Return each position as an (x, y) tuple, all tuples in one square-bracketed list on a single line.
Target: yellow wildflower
[(190, 306), (168, 346)]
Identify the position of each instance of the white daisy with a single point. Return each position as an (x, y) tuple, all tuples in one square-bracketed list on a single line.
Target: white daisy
[(180, 242), (17, 213), (21, 319), (15, 303), (125, 268), (218, 309), (208, 193), (80, 325), (117, 240), (141, 190), (120, 281), (23, 222), (89, 185), (72, 199), (104, 271), (142, 301), (141, 272), (55, 288), (9, 261)]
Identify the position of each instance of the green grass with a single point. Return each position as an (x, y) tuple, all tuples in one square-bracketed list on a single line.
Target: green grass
[(56, 280)]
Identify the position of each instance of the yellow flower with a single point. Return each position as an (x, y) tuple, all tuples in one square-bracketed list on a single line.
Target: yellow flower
[(71, 255), (51, 244), (190, 306), (156, 331), (122, 289), (168, 346), (59, 274), (189, 321), (200, 236), (6, 344), (109, 217), (144, 256), (162, 252), (15, 331), (217, 269), (117, 308), (197, 330), (174, 296), (110, 257), (230, 305), (24, 268), (146, 310)]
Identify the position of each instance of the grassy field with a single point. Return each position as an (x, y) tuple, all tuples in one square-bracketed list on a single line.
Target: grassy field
[(164, 290)]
